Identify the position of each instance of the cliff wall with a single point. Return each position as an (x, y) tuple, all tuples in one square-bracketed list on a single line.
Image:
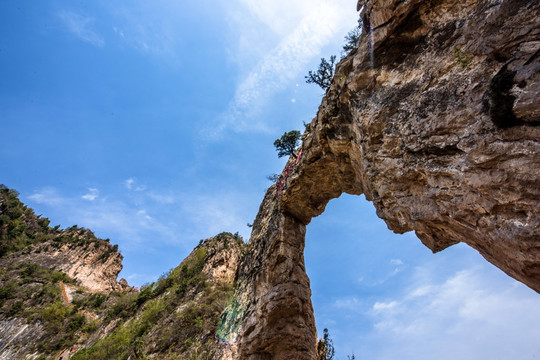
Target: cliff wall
[(93, 262), (434, 117)]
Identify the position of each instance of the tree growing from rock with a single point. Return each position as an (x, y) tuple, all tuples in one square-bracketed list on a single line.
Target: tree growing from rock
[(325, 347), (287, 143), (273, 178), (351, 39), (324, 74)]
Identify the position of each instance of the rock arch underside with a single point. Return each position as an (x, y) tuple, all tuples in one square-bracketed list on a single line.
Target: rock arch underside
[(434, 118)]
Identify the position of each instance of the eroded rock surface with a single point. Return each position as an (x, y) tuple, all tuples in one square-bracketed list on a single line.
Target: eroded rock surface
[(278, 320), (434, 117), (16, 334), (93, 262)]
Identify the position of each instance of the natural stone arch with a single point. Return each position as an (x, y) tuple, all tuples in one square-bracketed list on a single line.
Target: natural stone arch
[(408, 124)]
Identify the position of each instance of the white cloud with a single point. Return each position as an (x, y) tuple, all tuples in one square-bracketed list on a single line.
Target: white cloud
[(124, 221), (161, 198), (420, 291), (129, 183), (273, 39), (121, 220), (349, 303), (135, 218), (384, 306), (211, 214), (144, 214), (398, 267), (304, 29), (271, 12), (47, 196), (468, 316), (140, 278), (152, 28), (119, 32), (82, 27), (383, 274), (92, 195)]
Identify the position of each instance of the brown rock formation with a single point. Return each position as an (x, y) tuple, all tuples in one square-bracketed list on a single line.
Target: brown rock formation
[(278, 320), (434, 118)]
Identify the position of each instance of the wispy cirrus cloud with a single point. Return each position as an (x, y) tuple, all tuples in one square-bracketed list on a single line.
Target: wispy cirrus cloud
[(81, 26), (138, 215), (112, 216), (213, 213), (47, 196), (153, 28), (303, 31)]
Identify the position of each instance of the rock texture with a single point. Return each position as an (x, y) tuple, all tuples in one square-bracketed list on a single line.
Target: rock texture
[(27, 238), (178, 316), (91, 261), (434, 117), (278, 319), (16, 334)]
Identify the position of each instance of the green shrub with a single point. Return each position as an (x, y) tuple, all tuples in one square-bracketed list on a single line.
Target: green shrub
[(15, 308), (77, 322), (90, 326), (54, 315), (124, 305), (114, 346), (7, 291), (461, 58), (351, 39), (96, 300)]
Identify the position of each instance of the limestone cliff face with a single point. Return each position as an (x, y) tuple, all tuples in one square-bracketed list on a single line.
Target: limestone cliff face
[(27, 238), (278, 320), (178, 316), (434, 117), (93, 262), (44, 313)]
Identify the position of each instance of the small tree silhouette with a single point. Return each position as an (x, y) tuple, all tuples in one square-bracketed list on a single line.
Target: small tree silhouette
[(351, 39), (324, 74), (325, 347), (273, 178), (287, 143)]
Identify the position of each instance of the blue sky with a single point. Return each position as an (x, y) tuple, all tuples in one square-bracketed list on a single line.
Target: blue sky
[(152, 124)]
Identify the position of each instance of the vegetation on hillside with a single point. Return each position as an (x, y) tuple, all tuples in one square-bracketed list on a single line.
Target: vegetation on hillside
[(20, 228), (178, 314), (19, 225), (34, 293)]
